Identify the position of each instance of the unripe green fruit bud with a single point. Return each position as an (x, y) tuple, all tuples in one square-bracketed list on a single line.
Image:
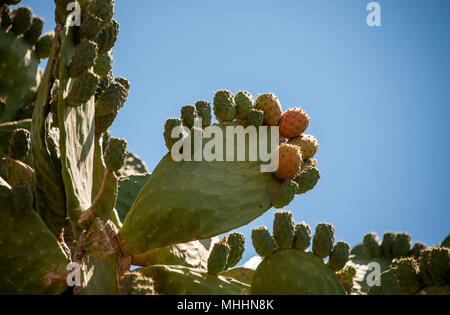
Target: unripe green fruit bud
[(407, 274), (224, 106), (308, 177), (107, 37), (387, 246), (434, 266), (262, 241), (204, 112), (22, 198), (283, 229), (103, 84), (44, 45), (255, 118), (323, 240), (302, 236), (82, 89), (402, 245), (102, 123), (372, 245), (22, 18), (111, 100), (218, 258), (271, 106), (115, 153), (90, 26), (188, 115), (446, 242), (244, 104), (84, 58), (19, 144), (236, 241), (61, 11), (6, 18), (124, 82), (35, 30), (170, 124), (417, 250), (102, 8), (103, 64), (285, 195), (339, 256)]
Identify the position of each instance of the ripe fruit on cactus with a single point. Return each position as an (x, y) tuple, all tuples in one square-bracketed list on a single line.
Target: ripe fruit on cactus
[(289, 161), (308, 145), (271, 107), (294, 122), (218, 258), (224, 106), (244, 104)]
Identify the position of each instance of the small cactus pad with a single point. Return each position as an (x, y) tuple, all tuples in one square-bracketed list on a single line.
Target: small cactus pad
[(339, 256), (302, 236), (218, 258), (294, 122), (82, 89), (308, 145), (323, 240), (255, 118), (44, 45), (285, 195), (204, 112), (283, 229), (115, 153), (416, 250), (308, 177), (84, 57), (402, 245), (271, 107), (19, 144), (224, 106), (236, 241), (372, 245), (188, 115), (169, 126), (262, 241), (290, 161), (22, 19), (295, 272), (387, 246), (244, 104)]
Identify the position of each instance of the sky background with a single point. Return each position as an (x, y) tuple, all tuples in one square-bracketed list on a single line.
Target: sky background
[(379, 98)]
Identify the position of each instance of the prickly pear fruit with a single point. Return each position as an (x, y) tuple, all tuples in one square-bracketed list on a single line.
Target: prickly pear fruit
[(124, 82), (308, 145), (204, 112), (44, 45), (262, 241), (22, 198), (255, 118), (346, 276), (22, 18), (446, 242), (323, 240), (188, 115), (103, 64), (434, 266), (134, 283), (103, 84), (308, 177), (107, 37), (290, 160), (236, 241), (402, 245), (82, 89), (19, 144), (372, 245), (224, 106), (283, 229), (407, 274), (218, 258), (170, 124), (84, 58), (285, 195), (302, 236), (339, 256), (294, 122), (90, 26), (115, 153), (387, 246), (271, 107), (35, 30), (416, 250), (111, 100), (5, 18), (244, 104), (102, 8)]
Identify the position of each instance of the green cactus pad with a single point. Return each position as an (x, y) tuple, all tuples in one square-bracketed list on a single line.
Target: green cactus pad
[(387, 245), (242, 274), (22, 19), (224, 106), (111, 100), (22, 198), (178, 280), (323, 240), (129, 188), (244, 104), (35, 30), (82, 89), (263, 242), (19, 144), (103, 64), (346, 276), (372, 245), (218, 258), (236, 241), (407, 274), (339, 256), (204, 112), (192, 190), (302, 236), (283, 229), (308, 177), (90, 26), (285, 195), (134, 283), (102, 8), (44, 45), (84, 58), (402, 245), (18, 172), (188, 115), (388, 285), (295, 272)]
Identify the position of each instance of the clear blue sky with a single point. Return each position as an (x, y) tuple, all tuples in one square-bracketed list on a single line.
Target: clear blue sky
[(379, 98)]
